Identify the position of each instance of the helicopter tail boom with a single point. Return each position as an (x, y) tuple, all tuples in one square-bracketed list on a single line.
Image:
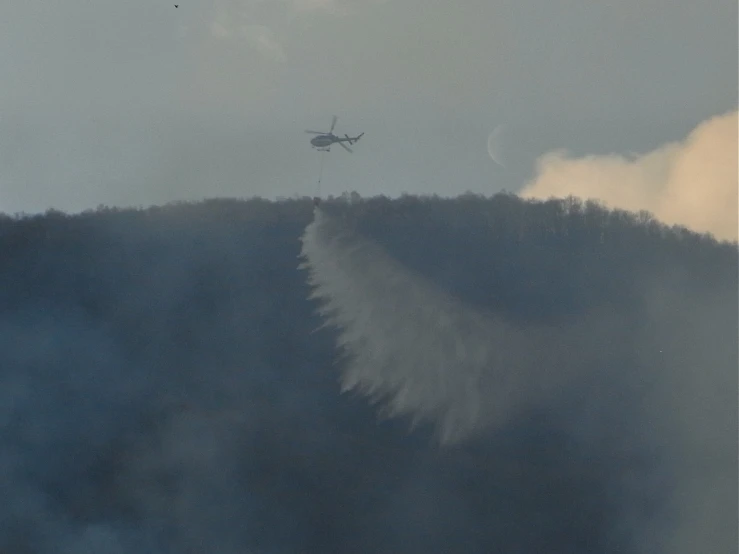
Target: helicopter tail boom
[(352, 140)]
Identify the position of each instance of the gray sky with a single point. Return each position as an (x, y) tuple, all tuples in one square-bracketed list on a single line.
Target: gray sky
[(135, 102)]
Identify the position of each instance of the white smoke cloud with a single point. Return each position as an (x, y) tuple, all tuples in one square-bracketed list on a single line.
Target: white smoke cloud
[(692, 183)]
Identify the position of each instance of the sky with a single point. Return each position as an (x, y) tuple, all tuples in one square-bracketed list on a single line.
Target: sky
[(137, 103)]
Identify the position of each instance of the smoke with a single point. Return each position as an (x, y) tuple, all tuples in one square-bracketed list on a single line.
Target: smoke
[(65, 392), (692, 182), (693, 412), (659, 390), (161, 390), (130, 390)]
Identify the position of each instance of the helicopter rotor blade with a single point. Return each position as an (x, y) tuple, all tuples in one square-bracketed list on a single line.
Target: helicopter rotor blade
[(333, 124), (317, 132), (345, 147)]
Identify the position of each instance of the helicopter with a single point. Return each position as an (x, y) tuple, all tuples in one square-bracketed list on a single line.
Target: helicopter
[(324, 140)]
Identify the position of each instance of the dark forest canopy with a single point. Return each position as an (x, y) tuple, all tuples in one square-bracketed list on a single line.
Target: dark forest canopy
[(501, 237), (167, 385)]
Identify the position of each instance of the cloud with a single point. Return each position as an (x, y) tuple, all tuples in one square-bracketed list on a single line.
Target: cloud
[(315, 5), (220, 26), (231, 23), (691, 183), (333, 7), (264, 40), (219, 30)]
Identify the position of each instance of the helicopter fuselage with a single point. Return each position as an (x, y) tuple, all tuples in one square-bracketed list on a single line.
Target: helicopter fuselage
[(321, 141), (324, 140)]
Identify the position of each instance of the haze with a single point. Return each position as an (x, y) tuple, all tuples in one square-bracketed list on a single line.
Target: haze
[(139, 103)]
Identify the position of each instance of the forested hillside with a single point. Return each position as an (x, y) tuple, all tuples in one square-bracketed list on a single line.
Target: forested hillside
[(168, 386)]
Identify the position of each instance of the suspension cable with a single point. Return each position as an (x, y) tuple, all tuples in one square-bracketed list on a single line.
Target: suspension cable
[(320, 175)]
